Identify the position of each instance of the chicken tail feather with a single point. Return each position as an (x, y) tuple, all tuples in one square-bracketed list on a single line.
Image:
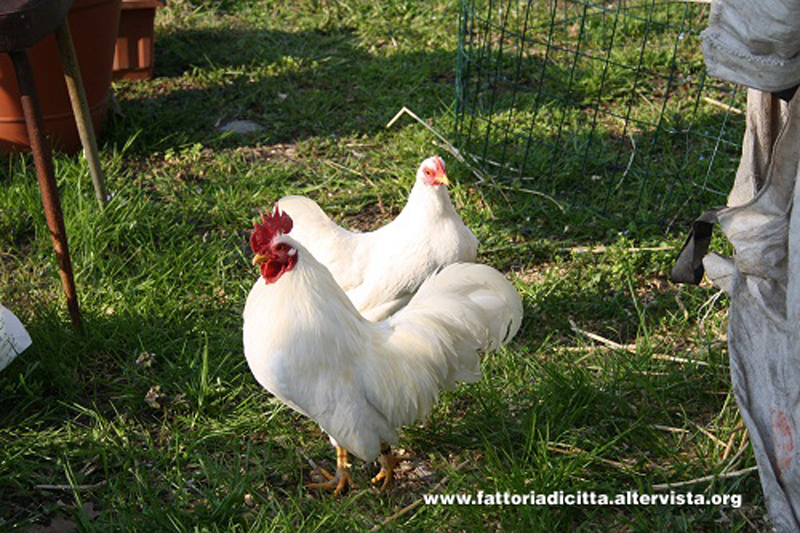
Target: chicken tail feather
[(462, 311)]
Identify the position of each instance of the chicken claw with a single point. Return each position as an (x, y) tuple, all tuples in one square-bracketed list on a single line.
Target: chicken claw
[(389, 461), (341, 480)]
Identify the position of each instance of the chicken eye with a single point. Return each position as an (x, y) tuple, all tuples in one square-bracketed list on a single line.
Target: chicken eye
[(281, 247), (428, 172)]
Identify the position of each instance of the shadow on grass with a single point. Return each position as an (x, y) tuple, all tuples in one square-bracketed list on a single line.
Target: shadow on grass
[(299, 85), (295, 85), (525, 402), (99, 366)]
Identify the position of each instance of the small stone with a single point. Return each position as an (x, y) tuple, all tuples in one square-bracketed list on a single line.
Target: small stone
[(152, 397), (145, 359), (249, 501), (241, 127)]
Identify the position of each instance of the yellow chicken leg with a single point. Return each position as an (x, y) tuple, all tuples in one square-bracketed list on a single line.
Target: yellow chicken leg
[(389, 462), (337, 482)]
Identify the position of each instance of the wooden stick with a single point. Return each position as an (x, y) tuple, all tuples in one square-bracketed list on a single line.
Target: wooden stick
[(45, 173), (80, 108)]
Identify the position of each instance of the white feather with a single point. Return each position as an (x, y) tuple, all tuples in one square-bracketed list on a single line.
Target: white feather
[(381, 269), (360, 380)]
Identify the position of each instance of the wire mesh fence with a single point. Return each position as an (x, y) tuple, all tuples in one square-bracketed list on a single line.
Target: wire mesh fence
[(602, 105)]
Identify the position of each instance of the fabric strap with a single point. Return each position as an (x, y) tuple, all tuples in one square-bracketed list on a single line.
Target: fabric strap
[(688, 267)]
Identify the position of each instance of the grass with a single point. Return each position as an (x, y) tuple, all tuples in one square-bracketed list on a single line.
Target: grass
[(150, 420)]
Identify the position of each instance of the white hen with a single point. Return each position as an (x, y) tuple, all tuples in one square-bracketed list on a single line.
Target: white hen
[(360, 380), (381, 269)]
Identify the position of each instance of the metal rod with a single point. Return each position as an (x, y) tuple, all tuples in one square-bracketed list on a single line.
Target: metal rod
[(45, 173), (80, 108)]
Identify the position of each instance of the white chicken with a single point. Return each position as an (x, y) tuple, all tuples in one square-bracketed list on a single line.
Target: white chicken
[(360, 380), (381, 269)]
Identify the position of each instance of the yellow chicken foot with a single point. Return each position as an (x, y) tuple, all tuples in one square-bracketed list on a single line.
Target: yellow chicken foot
[(337, 482), (389, 462)]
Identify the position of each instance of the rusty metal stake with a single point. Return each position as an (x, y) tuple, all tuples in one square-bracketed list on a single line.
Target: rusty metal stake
[(45, 173), (80, 108)]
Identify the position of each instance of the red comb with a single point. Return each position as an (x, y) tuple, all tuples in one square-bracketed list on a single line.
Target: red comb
[(271, 226), (439, 164)]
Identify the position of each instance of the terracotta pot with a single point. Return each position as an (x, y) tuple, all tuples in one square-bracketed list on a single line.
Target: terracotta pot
[(93, 24), (133, 56)]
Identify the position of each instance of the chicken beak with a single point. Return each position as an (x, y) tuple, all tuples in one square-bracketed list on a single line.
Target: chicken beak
[(258, 259), (443, 179)]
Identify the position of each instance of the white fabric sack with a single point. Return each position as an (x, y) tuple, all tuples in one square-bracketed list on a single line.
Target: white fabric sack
[(13, 337), (763, 281), (754, 43)]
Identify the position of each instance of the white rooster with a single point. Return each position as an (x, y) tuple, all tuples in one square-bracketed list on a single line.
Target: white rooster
[(360, 380), (381, 269)]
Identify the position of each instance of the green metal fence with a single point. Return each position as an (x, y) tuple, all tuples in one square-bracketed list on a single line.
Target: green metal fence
[(605, 106)]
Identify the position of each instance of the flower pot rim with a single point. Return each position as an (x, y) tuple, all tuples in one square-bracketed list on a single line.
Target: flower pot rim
[(143, 4), (78, 5), (94, 47)]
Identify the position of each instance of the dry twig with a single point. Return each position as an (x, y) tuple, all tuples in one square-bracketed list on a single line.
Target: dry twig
[(339, 166), (602, 249), (710, 435), (631, 348), (447, 144), (568, 449), (721, 475), (723, 105), (742, 448), (729, 446), (669, 429), (71, 487)]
